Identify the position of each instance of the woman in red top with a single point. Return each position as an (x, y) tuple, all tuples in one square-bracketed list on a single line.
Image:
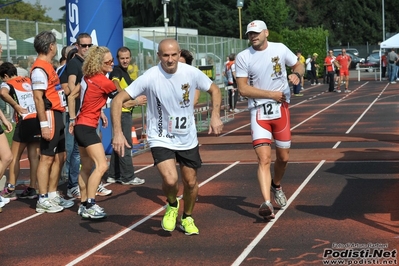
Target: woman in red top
[(94, 90)]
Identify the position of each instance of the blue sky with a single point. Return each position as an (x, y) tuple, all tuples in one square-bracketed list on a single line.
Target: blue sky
[(54, 12)]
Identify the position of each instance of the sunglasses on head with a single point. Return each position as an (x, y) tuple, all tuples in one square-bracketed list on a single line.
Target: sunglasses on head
[(86, 45), (109, 62)]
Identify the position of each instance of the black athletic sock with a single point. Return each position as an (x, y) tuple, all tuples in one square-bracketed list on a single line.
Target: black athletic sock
[(84, 203), (174, 204), (90, 203), (185, 215), (274, 185)]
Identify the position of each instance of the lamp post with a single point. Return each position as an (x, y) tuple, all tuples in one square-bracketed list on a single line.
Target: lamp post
[(240, 4), (383, 20), (165, 16)]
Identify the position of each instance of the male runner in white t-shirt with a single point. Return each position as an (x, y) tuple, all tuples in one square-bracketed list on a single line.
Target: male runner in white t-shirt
[(170, 88), (262, 77)]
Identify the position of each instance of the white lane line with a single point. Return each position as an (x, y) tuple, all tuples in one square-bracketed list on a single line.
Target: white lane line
[(365, 111), (37, 214), (269, 225), (130, 228)]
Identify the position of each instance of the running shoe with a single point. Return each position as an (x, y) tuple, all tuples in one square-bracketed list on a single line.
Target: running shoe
[(135, 181), (169, 219), (48, 206), (188, 226), (113, 180), (9, 195), (266, 210), (73, 192), (102, 191), (279, 196), (81, 209), (28, 193), (1, 205), (347, 91), (94, 212), (60, 201), (4, 200)]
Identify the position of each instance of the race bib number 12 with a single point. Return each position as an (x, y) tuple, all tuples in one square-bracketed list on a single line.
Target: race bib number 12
[(269, 111), (179, 125)]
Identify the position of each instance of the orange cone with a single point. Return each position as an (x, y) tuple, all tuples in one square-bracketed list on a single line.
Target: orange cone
[(134, 137)]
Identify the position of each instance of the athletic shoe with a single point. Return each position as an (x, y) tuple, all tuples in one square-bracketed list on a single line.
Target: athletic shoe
[(48, 206), (60, 201), (169, 219), (73, 192), (279, 196), (94, 212), (135, 181), (188, 226), (298, 94), (102, 191), (81, 209), (312, 84), (28, 193), (393, 82), (347, 91), (266, 210), (339, 91), (4, 200), (1, 205), (236, 110), (230, 110), (113, 180), (9, 195)]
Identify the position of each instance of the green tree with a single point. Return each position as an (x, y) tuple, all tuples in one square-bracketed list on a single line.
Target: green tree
[(274, 13), (25, 11)]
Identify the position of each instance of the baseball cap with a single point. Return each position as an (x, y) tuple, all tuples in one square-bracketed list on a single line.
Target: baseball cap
[(256, 26), (315, 54)]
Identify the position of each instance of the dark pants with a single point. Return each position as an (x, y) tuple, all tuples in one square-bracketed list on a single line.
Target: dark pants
[(296, 88), (121, 168), (331, 83), (383, 71), (315, 80), (233, 98)]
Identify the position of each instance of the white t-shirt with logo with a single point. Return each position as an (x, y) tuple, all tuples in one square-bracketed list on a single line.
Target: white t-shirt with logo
[(266, 69), (170, 106)]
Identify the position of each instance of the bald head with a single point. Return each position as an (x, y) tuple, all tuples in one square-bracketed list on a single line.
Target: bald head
[(169, 54)]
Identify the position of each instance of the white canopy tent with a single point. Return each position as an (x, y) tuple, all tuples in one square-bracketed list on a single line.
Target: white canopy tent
[(392, 42)]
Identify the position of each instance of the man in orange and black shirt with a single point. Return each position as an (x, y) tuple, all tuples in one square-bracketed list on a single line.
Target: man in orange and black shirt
[(50, 103)]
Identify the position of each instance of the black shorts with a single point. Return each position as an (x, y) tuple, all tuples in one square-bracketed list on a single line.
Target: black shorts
[(190, 158), (1, 130), (57, 142), (27, 131), (86, 136)]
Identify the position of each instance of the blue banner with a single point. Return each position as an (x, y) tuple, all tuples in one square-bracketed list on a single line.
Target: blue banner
[(102, 19)]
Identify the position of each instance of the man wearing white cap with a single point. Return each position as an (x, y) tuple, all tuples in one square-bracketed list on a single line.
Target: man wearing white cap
[(262, 77)]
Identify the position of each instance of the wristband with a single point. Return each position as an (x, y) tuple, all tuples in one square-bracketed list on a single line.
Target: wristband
[(44, 124), (297, 74), (72, 119)]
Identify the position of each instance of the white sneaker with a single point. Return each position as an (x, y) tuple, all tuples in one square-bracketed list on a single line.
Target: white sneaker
[(102, 191), (48, 206), (236, 110), (73, 192), (62, 202), (393, 82), (4, 200), (135, 181)]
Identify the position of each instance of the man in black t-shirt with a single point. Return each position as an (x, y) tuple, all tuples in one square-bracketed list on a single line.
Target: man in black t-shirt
[(121, 169)]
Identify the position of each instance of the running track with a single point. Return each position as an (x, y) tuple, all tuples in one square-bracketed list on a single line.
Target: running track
[(341, 182)]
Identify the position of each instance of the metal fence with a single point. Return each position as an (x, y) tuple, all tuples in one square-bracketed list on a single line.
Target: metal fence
[(16, 37)]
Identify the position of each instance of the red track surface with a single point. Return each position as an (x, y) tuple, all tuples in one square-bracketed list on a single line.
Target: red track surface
[(342, 183)]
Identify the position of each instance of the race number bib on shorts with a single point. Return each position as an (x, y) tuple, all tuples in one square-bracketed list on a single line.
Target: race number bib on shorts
[(269, 111), (179, 124)]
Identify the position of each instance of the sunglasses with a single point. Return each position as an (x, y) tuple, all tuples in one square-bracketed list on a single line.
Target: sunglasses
[(86, 45), (109, 62)]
